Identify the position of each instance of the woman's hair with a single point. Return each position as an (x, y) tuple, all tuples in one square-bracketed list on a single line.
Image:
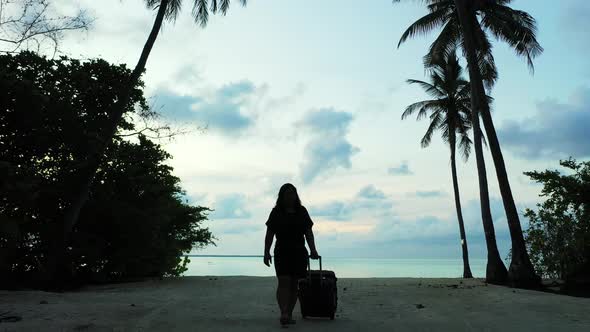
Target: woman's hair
[(282, 191)]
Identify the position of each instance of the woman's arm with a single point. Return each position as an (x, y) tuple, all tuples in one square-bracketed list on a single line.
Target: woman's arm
[(268, 240), (267, 244), (311, 243)]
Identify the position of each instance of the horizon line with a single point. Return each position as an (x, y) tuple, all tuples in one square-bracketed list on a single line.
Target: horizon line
[(261, 256)]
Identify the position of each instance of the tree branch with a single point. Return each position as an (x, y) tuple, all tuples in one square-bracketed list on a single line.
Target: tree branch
[(31, 23)]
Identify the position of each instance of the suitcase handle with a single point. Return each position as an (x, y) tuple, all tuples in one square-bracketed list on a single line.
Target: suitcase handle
[(309, 264)]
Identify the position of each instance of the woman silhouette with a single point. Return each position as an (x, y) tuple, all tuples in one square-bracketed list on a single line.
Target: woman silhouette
[(291, 224)]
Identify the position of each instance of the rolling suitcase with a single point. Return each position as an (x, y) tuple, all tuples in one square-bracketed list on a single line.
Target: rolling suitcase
[(318, 293)]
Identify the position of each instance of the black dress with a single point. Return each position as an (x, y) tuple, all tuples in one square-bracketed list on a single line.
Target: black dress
[(290, 254)]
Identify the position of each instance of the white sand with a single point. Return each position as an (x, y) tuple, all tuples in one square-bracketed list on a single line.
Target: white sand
[(248, 304)]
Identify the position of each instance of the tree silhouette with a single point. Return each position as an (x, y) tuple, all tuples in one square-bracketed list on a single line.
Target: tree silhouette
[(468, 23), (449, 112)]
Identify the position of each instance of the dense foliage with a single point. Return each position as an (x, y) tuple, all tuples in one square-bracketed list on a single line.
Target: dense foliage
[(559, 232), (135, 223)]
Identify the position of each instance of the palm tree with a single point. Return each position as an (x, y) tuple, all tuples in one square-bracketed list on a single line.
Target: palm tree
[(468, 23), (167, 9), (450, 112)]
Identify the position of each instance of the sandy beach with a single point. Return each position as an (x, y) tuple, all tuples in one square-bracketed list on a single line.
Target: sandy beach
[(248, 304)]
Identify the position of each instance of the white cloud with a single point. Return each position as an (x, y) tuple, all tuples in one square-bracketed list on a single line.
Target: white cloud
[(401, 169), (328, 147), (368, 203), (230, 206), (558, 130), (224, 112)]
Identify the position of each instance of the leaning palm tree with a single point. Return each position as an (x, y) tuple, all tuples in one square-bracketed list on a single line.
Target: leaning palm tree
[(166, 9), (449, 112), (469, 23)]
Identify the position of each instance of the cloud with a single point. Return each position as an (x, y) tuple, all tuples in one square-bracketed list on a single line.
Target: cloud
[(338, 210), (230, 206), (327, 120), (176, 107), (369, 201), (558, 130), (430, 194), (401, 169), (432, 236), (222, 112), (328, 148), (234, 91), (370, 192)]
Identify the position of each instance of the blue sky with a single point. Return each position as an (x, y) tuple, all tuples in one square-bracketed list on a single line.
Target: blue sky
[(311, 92)]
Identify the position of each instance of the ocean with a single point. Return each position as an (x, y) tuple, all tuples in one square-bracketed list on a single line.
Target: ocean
[(202, 265)]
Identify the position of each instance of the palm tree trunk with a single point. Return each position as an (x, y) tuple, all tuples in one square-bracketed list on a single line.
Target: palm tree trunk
[(495, 271), (466, 268), (56, 266), (521, 272)]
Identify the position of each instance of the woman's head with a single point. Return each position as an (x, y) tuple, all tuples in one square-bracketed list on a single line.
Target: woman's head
[(288, 197)]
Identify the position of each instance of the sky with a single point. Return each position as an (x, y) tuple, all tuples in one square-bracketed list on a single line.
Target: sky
[(311, 92)]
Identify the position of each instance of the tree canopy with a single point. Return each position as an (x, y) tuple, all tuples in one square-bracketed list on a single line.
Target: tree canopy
[(558, 236), (137, 221)]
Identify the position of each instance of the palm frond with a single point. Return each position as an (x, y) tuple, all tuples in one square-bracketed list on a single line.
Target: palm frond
[(439, 79), (487, 68), (465, 145), (201, 12), (202, 9), (434, 124), (445, 130), (225, 5), (423, 106), (424, 25), (431, 89), (450, 112), (437, 5), (463, 89), (515, 27), (444, 44), (172, 7)]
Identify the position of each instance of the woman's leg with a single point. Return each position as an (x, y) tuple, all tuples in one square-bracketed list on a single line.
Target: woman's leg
[(283, 295), (293, 295)]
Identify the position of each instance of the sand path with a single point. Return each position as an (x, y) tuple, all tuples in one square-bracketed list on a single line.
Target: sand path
[(247, 304)]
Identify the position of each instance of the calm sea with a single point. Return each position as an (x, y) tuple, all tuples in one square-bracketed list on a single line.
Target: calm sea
[(344, 267)]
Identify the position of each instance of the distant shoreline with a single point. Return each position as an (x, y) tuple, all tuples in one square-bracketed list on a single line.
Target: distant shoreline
[(254, 256), (359, 258)]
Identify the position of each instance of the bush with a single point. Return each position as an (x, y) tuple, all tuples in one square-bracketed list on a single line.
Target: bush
[(558, 236)]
